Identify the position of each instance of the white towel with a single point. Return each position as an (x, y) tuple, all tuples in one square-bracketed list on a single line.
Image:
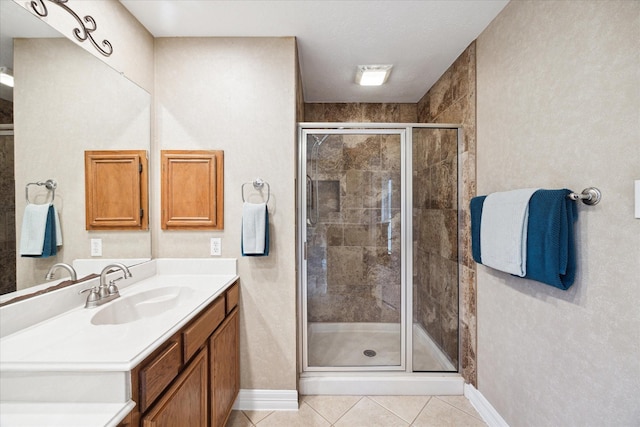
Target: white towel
[(34, 223), (503, 230), (253, 228), (58, 228)]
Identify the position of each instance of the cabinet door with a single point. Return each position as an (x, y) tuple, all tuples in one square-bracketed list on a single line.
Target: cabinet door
[(185, 403), (225, 369), (116, 187), (192, 189)]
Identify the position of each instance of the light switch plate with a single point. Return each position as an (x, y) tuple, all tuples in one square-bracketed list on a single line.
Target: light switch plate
[(96, 247), (216, 246)]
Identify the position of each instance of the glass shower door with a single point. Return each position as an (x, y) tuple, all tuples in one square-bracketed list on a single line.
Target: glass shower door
[(353, 296)]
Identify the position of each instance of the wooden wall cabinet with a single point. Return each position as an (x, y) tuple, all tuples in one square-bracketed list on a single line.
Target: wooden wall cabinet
[(192, 189), (193, 379), (116, 190)]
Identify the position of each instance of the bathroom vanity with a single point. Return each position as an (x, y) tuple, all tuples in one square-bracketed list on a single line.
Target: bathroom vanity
[(166, 350)]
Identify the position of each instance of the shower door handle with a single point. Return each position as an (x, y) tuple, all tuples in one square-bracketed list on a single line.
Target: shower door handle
[(310, 201)]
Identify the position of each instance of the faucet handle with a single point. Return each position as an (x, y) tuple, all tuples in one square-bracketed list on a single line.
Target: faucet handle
[(113, 289), (92, 298)]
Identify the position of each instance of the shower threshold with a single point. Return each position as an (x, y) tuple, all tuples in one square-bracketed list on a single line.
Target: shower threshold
[(381, 384)]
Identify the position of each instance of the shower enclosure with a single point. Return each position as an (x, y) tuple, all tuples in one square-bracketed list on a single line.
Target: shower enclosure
[(378, 248)]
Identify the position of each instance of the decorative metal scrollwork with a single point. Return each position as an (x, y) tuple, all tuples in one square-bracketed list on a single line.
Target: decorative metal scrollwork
[(87, 25)]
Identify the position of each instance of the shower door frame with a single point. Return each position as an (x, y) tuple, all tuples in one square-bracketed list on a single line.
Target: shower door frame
[(405, 130)]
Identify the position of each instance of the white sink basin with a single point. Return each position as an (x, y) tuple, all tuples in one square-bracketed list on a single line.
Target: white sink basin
[(142, 305)]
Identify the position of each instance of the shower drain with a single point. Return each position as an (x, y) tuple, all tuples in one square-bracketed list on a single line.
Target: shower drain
[(369, 353)]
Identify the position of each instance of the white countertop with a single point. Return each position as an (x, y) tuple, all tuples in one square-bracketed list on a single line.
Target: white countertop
[(64, 414), (83, 366)]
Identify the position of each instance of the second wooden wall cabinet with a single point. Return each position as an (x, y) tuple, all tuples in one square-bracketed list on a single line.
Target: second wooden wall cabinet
[(192, 189)]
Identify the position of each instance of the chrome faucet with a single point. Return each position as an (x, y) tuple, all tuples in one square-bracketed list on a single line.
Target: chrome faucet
[(106, 291), (54, 267), (111, 290)]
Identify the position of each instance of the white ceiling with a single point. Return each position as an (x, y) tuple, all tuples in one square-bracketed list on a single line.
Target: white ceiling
[(420, 38)]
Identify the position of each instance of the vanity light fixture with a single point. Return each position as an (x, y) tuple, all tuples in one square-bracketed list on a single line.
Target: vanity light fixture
[(372, 75), (6, 76)]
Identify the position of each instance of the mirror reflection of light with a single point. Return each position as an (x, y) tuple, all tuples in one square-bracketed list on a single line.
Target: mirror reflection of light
[(6, 78)]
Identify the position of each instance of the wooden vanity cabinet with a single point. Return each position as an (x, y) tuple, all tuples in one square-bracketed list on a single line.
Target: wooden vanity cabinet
[(185, 402), (193, 379), (224, 369)]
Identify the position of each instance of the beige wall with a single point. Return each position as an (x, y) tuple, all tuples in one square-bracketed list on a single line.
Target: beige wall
[(65, 102), (132, 43), (239, 95), (559, 106)]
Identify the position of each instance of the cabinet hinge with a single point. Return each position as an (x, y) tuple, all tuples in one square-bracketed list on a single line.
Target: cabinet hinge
[(141, 213), (140, 167)]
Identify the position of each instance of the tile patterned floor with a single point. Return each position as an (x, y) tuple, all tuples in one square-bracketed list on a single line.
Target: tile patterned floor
[(366, 411)]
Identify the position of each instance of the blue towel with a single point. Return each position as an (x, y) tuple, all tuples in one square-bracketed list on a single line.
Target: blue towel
[(550, 237), (49, 246), (253, 252), (476, 218), (551, 257)]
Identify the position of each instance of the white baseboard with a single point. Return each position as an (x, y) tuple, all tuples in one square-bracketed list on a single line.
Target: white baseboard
[(266, 400), (484, 408)]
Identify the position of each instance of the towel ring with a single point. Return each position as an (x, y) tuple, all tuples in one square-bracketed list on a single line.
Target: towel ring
[(50, 185), (258, 184)]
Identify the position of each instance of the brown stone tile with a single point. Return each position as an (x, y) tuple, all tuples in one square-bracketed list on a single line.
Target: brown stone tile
[(313, 112), (408, 113)]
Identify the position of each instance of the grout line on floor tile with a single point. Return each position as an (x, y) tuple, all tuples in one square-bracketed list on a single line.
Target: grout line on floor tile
[(247, 418), (347, 411), (314, 410), (420, 411), (261, 419), (476, 415), (389, 410), (398, 415)]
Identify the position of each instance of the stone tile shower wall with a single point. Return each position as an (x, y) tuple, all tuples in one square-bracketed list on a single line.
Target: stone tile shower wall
[(452, 99), (363, 283), (353, 265), (435, 236), (7, 205)]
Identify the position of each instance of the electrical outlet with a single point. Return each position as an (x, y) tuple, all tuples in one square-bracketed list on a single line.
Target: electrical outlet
[(96, 247), (216, 246)]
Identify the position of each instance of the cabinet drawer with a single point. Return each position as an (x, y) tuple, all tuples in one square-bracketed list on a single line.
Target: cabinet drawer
[(160, 371), (185, 403), (232, 297), (197, 333)]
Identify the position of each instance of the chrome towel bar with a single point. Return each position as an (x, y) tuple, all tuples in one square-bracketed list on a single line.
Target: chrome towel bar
[(589, 196)]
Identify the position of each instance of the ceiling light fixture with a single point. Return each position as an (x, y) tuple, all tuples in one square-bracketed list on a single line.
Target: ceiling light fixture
[(373, 75), (6, 76)]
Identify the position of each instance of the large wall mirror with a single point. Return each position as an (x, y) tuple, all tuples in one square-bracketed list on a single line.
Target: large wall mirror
[(64, 101)]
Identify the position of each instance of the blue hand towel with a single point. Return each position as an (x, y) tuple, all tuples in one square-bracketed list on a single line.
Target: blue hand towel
[(476, 219), (550, 244), (40, 236), (550, 237), (255, 230)]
